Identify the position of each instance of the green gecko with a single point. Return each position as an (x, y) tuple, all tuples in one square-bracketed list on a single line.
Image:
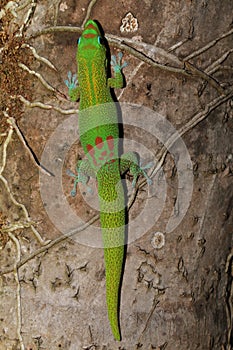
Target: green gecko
[(99, 135)]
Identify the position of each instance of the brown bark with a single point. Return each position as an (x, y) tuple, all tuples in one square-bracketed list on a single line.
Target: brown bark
[(177, 283)]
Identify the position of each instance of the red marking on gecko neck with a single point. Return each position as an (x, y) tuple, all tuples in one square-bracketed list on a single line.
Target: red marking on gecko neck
[(89, 35)]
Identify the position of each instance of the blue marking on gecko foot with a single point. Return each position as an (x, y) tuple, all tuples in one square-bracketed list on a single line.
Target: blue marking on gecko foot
[(116, 62), (79, 178), (72, 81), (142, 171)]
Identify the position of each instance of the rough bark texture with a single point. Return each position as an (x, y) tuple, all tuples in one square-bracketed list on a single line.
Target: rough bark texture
[(177, 287)]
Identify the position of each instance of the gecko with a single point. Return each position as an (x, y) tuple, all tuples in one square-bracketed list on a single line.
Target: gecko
[(99, 135)]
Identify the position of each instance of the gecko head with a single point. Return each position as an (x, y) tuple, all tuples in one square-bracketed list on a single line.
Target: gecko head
[(91, 44)]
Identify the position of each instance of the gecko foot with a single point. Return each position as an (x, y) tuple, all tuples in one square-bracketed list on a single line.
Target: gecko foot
[(79, 178), (145, 167), (142, 171), (116, 62), (72, 81)]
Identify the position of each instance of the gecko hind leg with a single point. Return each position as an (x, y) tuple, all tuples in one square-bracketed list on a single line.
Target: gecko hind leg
[(129, 161), (84, 172)]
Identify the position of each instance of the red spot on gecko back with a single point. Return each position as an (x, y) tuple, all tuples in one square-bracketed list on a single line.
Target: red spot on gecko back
[(91, 151), (89, 148), (110, 142), (103, 155), (99, 142), (99, 153)]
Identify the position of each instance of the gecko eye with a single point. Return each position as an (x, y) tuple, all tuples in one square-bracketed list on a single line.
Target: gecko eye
[(100, 40), (78, 41)]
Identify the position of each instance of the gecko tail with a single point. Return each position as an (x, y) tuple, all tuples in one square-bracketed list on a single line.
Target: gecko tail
[(113, 264), (112, 219), (114, 249)]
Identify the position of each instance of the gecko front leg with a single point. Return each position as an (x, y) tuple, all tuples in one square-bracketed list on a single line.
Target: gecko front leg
[(72, 84)]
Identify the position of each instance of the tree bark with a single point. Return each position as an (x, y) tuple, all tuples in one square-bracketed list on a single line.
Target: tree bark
[(177, 109)]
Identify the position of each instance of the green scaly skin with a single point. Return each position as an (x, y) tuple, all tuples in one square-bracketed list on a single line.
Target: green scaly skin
[(99, 134)]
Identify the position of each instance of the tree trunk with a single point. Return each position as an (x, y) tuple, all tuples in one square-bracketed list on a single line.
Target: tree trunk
[(177, 112)]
